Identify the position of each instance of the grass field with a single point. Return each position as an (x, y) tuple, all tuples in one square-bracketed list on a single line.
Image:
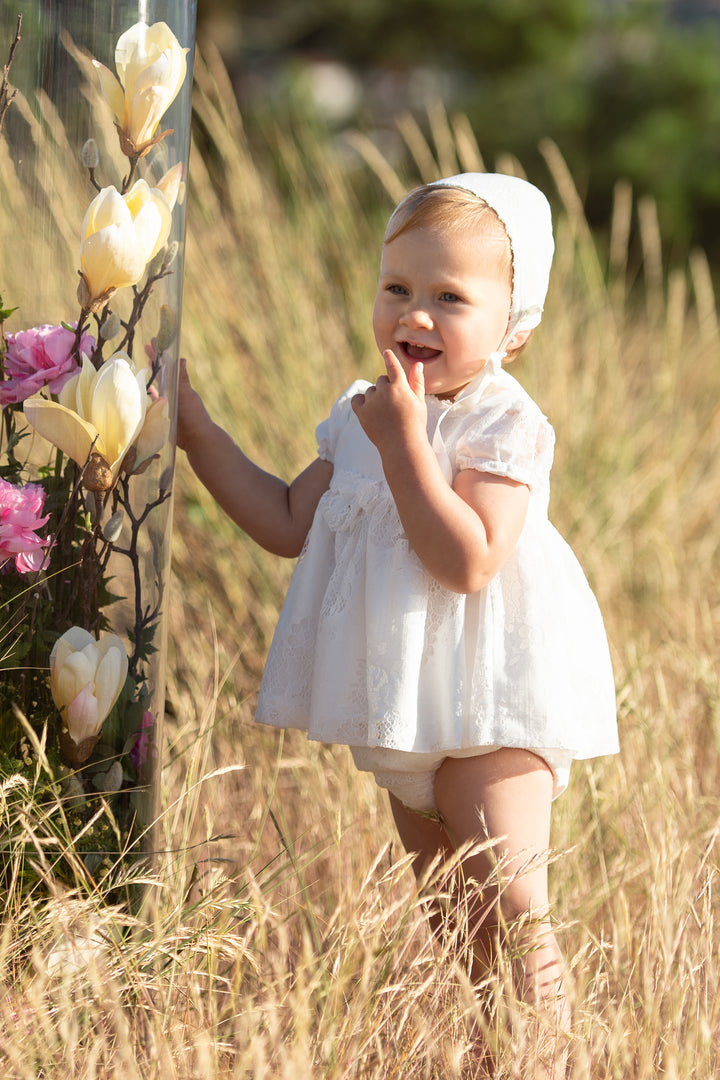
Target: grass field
[(285, 940)]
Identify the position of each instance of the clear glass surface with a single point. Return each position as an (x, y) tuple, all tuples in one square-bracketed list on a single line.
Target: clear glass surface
[(94, 147)]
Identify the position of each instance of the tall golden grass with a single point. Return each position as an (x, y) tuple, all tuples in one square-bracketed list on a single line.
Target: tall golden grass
[(283, 938)]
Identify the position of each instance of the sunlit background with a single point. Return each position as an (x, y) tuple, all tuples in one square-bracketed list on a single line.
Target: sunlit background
[(626, 88)]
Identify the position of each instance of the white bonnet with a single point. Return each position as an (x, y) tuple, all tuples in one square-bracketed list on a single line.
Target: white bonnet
[(525, 213)]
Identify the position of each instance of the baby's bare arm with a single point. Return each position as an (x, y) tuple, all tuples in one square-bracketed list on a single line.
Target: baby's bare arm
[(275, 514), (462, 534)]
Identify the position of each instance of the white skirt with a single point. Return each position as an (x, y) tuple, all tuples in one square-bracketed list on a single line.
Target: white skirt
[(370, 651)]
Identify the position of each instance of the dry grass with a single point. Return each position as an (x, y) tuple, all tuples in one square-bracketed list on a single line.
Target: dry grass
[(284, 938)]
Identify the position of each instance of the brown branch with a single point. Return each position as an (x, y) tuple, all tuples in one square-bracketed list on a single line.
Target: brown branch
[(6, 95)]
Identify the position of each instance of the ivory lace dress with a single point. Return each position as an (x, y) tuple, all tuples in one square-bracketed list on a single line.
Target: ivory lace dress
[(370, 651)]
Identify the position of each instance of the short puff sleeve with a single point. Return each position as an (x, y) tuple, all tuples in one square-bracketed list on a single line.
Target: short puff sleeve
[(327, 432), (515, 441)]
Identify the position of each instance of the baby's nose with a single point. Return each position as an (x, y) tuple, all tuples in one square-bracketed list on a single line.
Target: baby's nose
[(417, 316)]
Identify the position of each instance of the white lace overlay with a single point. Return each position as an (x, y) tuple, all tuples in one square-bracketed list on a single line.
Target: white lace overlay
[(370, 651)]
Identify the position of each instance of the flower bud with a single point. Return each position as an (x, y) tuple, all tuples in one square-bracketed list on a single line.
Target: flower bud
[(86, 677), (166, 479), (89, 155), (154, 267), (83, 294), (113, 527), (111, 326), (110, 781), (167, 330), (171, 254)]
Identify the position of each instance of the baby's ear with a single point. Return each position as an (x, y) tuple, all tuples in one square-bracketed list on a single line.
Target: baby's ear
[(516, 344)]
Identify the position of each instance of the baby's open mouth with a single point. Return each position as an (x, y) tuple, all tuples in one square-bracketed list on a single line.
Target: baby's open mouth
[(418, 352)]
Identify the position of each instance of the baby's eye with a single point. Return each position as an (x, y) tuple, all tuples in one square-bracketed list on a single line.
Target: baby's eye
[(397, 290), (450, 298)]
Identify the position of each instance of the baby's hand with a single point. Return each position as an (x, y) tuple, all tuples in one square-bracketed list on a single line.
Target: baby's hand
[(395, 406), (192, 415)]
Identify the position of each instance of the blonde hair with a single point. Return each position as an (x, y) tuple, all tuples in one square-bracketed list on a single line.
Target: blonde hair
[(448, 210)]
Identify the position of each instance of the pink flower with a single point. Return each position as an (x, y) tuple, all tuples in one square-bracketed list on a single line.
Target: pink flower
[(20, 510), (41, 356)]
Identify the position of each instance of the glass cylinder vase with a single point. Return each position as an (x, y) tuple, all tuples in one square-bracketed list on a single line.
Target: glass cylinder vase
[(95, 110)]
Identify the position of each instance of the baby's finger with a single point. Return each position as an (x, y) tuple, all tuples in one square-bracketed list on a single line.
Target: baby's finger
[(416, 379), (183, 370), (356, 402), (412, 372), (394, 368)]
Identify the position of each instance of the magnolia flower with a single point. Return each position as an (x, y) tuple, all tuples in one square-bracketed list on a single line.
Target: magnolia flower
[(38, 357), (20, 510), (86, 677), (151, 67), (172, 185), (154, 432), (100, 413), (120, 234)]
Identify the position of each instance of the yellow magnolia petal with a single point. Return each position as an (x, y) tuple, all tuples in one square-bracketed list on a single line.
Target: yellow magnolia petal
[(61, 650), (107, 208), (86, 679), (119, 402), (73, 640), (151, 66), (120, 234), (68, 394), (110, 641), (110, 676), (171, 185), (132, 52), (82, 716), (112, 259), (81, 402), (155, 431), (148, 107), (151, 217), (110, 254), (77, 671), (63, 428), (112, 90)]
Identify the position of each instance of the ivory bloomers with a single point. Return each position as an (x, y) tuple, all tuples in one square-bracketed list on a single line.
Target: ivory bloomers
[(370, 651)]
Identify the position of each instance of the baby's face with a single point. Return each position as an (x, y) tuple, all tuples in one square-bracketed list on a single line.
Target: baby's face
[(444, 300)]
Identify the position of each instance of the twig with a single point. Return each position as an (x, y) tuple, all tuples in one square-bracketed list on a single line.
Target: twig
[(139, 301), (134, 158), (6, 95), (143, 618)]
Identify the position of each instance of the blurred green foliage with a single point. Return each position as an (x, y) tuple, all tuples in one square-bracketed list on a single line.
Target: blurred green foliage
[(627, 88)]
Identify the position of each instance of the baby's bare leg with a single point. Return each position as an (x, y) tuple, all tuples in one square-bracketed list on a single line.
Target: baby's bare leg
[(507, 795), (431, 846), (429, 843)]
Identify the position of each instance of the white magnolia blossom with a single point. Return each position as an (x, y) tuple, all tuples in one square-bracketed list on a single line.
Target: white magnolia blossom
[(120, 234), (103, 413), (151, 66), (86, 677)]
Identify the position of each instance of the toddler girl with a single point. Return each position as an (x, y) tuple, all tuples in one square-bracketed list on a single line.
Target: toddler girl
[(436, 622)]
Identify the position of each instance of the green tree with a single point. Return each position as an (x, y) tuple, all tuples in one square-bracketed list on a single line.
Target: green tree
[(627, 88)]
